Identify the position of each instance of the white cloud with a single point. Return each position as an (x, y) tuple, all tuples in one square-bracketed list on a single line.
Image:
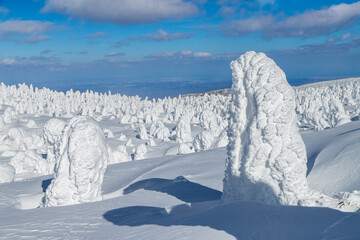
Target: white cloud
[(33, 30), (98, 35), (345, 36), (24, 27), (246, 26), (162, 54), (35, 39), (265, 2), (159, 36), (20, 63), (202, 54), (227, 11), (46, 51), (335, 46), (307, 24), (8, 61), (113, 54), (186, 52), (181, 54), (123, 11), (162, 35)]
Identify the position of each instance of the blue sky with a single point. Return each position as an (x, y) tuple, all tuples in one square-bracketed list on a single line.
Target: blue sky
[(169, 47)]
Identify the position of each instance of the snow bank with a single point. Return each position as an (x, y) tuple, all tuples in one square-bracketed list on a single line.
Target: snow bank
[(340, 159), (266, 155), (83, 160)]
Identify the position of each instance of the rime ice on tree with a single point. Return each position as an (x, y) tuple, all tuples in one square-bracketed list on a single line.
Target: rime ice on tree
[(83, 158), (52, 138), (266, 159)]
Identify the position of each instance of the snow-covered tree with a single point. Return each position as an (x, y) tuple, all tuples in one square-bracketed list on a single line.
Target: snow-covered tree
[(183, 130), (83, 161), (266, 159), (52, 136)]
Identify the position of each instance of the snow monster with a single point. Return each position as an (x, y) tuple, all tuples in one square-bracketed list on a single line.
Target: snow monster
[(266, 156), (83, 158)]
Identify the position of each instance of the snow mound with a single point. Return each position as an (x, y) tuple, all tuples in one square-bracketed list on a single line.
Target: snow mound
[(82, 162), (266, 155), (340, 160)]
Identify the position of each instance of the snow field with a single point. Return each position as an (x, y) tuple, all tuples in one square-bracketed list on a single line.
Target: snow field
[(167, 161)]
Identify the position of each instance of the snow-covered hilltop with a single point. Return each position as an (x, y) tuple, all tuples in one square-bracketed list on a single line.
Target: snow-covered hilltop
[(117, 161)]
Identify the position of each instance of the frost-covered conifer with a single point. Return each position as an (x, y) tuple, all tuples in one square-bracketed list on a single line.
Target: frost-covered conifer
[(143, 133), (183, 130), (120, 155), (266, 159), (52, 136), (140, 152), (7, 173), (185, 149), (203, 141), (83, 161)]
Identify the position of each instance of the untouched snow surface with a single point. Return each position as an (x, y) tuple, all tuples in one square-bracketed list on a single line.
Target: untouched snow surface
[(339, 158)]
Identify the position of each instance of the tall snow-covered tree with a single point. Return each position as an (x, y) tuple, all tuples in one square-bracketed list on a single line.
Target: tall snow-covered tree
[(266, 156)]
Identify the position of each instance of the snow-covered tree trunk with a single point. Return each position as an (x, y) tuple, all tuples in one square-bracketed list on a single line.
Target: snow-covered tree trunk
[(81, 166), (266, 159)]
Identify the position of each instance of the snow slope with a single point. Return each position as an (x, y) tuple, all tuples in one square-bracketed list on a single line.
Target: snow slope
[(338, 156), (174, 191), (172, 197)]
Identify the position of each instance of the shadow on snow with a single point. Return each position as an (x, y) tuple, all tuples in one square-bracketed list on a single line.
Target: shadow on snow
[(241, 219), (180, 187)]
